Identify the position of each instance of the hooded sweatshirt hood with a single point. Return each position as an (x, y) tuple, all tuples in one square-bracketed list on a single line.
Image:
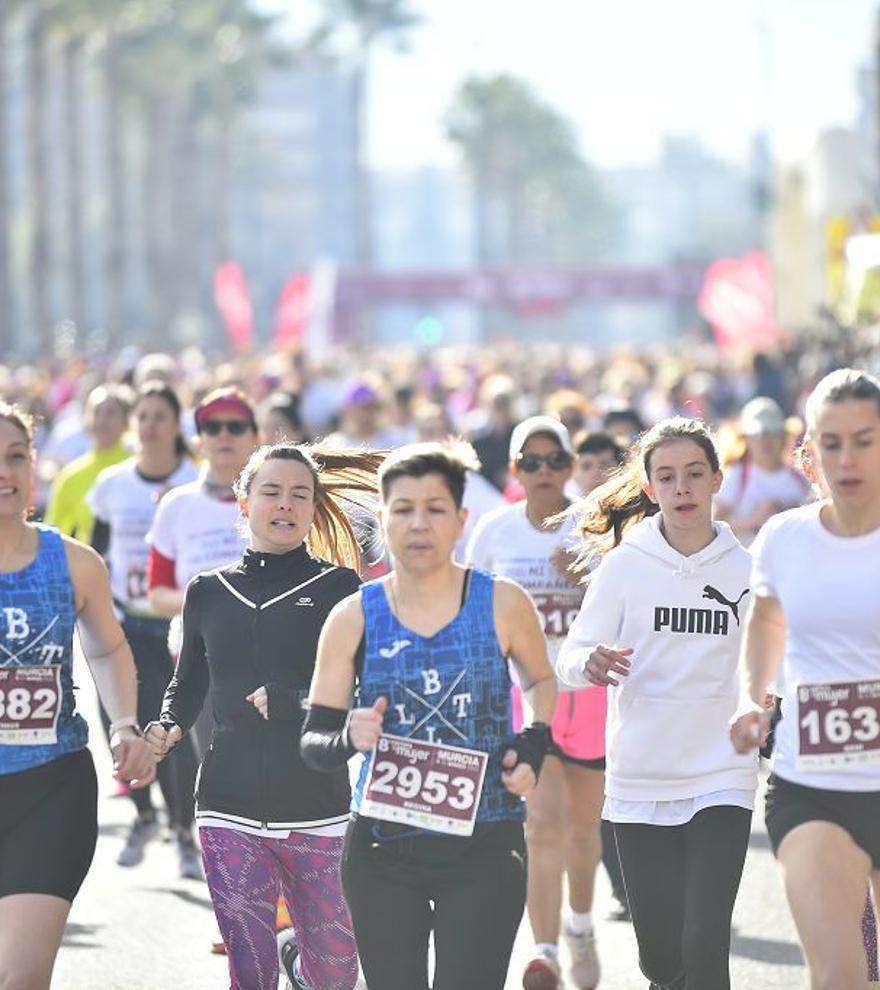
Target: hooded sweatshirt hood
[(667, 729)]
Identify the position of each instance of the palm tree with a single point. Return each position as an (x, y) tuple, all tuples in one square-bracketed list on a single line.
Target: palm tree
[(371, 21)]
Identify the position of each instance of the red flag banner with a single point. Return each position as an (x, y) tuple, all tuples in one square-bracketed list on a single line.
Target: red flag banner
[(737, 299), (234, 302), (294, 310)]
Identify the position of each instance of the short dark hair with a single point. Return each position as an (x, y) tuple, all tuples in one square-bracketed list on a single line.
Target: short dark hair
[(450, 460), (588, 442)]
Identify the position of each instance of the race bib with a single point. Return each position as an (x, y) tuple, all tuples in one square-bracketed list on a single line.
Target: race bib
[(30, 702), (557, 614), (136, 583), (425, 785), (838, 724)]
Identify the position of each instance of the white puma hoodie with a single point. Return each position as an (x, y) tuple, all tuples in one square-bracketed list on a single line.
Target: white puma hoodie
[(667, 728)]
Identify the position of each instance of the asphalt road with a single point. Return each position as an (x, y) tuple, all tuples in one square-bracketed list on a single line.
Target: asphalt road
[(143, 927)]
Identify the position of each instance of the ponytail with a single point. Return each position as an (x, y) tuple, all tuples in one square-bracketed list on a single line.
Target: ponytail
[(346, 487)]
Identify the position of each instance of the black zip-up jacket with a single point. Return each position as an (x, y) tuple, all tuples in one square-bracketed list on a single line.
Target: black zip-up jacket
[(251, 624)]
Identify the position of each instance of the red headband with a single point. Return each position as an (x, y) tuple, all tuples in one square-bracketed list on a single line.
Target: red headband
[(228, 404)]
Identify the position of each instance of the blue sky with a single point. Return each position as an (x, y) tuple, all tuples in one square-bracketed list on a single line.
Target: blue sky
[(626, 72)]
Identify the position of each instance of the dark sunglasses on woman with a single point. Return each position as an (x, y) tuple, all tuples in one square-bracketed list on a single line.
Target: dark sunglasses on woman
[(235, 427), (557, 460)]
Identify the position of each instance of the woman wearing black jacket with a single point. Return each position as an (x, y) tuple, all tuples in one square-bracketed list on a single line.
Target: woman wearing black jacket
[(268, 825)]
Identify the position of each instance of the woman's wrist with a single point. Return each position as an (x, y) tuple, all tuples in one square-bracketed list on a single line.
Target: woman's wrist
[(127, 724)]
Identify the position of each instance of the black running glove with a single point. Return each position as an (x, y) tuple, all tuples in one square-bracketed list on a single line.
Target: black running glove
[(531, 744), (324, 744)]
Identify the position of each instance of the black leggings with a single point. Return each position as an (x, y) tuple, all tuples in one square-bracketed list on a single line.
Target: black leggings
[(176, 774), (469, 891), (681, 884)]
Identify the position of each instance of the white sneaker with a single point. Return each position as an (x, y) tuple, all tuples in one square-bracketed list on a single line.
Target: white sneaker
[(584, 971), (542, 972)]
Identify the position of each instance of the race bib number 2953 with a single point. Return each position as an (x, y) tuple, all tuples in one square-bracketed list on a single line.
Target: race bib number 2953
[(30, 702), (838, 724), (425, 785)]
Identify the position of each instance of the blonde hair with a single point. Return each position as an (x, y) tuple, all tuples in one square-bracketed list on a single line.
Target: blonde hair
[(345, 483)]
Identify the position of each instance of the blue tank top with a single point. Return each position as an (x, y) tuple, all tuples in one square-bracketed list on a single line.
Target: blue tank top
[(37, 617), (452, 688)]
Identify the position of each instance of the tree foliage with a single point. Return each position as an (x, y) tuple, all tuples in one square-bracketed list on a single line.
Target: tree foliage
[(538, 200)]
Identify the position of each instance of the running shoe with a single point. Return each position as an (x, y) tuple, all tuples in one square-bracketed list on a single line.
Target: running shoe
[(584, 968), (139, 834), (618, 909), (542, 973), (218, 946), (189, 858), (288, 953)]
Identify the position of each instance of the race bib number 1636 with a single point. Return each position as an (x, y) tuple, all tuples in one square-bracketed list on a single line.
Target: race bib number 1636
[(838, 724)]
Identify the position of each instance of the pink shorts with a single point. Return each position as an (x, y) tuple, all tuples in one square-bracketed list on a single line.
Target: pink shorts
[(578, 725)]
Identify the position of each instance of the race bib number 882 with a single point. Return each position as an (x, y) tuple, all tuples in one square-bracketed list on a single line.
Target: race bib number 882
[(30, 702)]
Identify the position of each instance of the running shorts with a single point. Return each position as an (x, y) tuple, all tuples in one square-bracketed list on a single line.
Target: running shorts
[(789, 805), (48, 826), (578, 726)]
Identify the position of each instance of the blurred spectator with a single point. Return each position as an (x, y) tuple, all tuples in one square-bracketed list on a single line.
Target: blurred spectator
[(105, 420), (491, 442), (596, 456), (279, 419), (759, 480)]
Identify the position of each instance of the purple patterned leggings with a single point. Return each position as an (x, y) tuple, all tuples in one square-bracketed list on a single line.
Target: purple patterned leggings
[(869, 930), (247, 873)]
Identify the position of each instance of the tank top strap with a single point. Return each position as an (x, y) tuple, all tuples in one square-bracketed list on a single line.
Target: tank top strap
[(480, 603), (52, 555)]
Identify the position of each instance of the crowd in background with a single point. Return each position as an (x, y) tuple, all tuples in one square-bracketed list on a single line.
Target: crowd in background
[(382, 398)]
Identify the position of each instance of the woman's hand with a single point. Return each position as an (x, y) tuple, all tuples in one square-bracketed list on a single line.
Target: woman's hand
[(749, 728), (260, 700), (133, 759), (162, 740), (518, 777), (604, 661), (365, 725)]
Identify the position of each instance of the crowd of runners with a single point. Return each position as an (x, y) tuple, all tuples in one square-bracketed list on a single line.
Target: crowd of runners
[(409, 664)]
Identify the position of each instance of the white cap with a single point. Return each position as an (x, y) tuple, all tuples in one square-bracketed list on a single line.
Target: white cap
[(539, 424), (761, 417)]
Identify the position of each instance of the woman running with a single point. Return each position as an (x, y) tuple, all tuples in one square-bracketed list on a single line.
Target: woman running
[(660, 626), (436, 844), (562, 823), (816, 618), (123, 502), (268, 825), (48, 789)]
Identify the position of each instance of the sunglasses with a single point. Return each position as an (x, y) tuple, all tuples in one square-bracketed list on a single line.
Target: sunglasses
[(558, 460), (235, 427)]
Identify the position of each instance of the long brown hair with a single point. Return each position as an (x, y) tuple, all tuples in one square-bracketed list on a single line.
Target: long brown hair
[(608, 511), (345, 484)]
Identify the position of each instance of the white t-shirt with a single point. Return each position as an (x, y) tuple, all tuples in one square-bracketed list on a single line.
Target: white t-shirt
[(126, 501), (505, 542), (829, 588), (746, 486), (199, 533), (480, 498)]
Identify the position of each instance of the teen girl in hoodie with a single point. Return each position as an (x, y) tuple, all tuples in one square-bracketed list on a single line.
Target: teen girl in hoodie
[(660, 626)]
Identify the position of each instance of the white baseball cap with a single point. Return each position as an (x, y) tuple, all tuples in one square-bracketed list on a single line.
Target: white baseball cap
[(539, 424)]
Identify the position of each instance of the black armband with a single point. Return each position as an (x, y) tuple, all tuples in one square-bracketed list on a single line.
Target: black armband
[(324, 744), (531, 745)]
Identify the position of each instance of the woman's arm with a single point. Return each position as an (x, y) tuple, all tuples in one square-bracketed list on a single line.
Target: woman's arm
[(331, 733), (522, 639), (761, 653), (110, 661), (185, 694), (584, 659)]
